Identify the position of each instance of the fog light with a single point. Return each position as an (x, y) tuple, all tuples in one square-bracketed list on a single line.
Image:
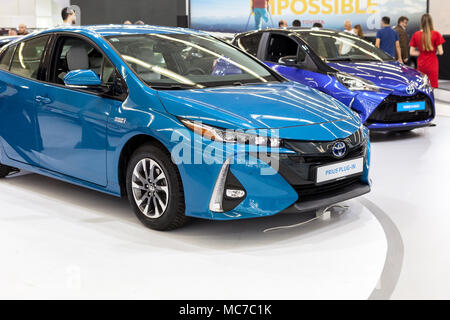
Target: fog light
[(235, 194)]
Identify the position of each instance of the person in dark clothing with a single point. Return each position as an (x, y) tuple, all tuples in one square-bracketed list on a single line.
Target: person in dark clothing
[(388, 40), (403, 38), (296, 24), (317, 25), (22, 31)]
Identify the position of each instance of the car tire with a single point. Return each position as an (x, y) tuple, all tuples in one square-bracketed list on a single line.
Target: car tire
[(5, 171), (155, 190)]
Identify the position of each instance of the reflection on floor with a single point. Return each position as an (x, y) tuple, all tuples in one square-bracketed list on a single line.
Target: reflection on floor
[(411, 176), (67, 242), (62, 241)]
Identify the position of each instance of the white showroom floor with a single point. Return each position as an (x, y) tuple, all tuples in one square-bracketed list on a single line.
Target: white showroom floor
[(62, 241)]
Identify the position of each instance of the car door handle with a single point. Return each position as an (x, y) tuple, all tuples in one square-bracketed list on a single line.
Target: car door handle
[(43, 100)]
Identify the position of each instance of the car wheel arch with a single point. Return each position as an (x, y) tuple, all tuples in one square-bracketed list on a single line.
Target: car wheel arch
[(127, 150)]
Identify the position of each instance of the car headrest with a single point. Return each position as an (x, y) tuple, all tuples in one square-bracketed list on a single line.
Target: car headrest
[(77, 58)]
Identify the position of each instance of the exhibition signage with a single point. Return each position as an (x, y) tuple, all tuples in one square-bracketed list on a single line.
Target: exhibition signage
[(237, 15)]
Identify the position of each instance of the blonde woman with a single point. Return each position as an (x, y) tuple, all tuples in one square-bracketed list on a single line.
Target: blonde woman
[(427, 44)]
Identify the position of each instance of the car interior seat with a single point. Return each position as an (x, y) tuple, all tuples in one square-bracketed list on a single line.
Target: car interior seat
[(77, 58), (146, 55)]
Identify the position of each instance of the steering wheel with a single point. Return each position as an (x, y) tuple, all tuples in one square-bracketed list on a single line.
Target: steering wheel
[(195, 71)]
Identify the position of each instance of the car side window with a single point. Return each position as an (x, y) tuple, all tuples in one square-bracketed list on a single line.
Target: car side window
[(280, 46), (323, 46), (5, 60), (250, 43), (28, 56), (73, 53)]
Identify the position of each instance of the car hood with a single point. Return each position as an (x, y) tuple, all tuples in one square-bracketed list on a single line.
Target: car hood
[(391, 75), (259, 106)]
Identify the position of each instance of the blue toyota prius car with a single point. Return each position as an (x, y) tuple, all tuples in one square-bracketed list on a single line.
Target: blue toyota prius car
[(388, 96), (180, 123)]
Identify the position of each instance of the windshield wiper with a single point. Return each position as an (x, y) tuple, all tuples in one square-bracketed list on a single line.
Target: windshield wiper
[(354, 59), (171, 86), (340, 59)]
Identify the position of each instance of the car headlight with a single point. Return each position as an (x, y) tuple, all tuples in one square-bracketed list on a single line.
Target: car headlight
[(425, 82), (355, 83), (230, 136)]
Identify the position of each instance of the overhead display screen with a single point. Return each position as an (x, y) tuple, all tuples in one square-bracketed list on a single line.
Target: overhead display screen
[(237, 15)]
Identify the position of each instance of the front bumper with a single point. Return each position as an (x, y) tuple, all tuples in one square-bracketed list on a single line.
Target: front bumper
[(344, 194), (272, 189), (378, 111), (375, 127)]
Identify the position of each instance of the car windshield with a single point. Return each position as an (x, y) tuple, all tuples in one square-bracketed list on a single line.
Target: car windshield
[(176, 61), (339, 46)]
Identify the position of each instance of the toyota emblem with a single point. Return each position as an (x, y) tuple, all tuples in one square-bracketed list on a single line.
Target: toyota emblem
[(339, 150), (410, 89)]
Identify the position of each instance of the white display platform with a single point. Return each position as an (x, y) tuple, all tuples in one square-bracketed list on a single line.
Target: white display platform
[(62, 241)]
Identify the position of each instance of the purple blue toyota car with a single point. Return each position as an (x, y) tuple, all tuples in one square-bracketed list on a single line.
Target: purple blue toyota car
[(387, 95)]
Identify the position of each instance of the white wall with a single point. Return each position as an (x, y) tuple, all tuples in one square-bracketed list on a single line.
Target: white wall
[(34, 13), (440, 10)]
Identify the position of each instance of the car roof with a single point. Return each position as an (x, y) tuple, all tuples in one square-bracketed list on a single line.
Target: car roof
[(8, 38), (115, 30), (297, 30)]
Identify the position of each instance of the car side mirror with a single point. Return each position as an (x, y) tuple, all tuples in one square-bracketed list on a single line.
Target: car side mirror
[(288, 61), (82, 78)]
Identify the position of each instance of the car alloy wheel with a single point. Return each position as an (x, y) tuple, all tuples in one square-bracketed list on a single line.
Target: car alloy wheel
[(154, 188), (150, 188)]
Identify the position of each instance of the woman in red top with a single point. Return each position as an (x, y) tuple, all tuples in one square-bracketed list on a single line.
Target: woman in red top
[(427, 44)]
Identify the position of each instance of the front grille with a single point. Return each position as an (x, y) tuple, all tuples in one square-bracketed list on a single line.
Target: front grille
[(315, 192), (387, 113), (327, 158), (299, 169)]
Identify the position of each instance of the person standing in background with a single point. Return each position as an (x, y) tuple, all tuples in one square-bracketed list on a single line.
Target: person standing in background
[(345, 47), (296, 23), (68, 16), (283, 24), (427, 44), (348, 27), (388, 40), (358, 30), (403, 38), (259, 8), (23, 31)]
